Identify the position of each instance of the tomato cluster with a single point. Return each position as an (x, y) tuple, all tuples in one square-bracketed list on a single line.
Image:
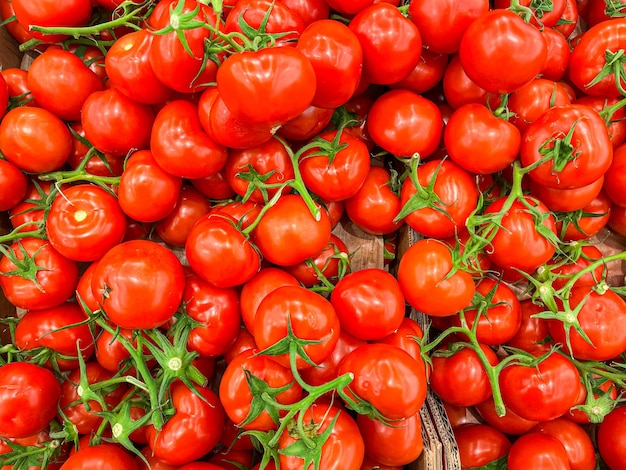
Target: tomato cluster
[(173, 173)]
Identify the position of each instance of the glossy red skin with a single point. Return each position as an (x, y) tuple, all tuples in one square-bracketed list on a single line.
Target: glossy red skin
[(616, 124), (280, 75), (458, 89), (614, 177), (558, 55), (542, 392), (327, 261), (533, 99), (227, 460), (588, 254), (404, 123), (601, 318), (61, 82), (115, 124), (17, 83), (57, 280), (510, 423), (306, 125), (480, 444), (127, 65), (387, 377), (99, 165), (17, 30), (387, 58), (312, 317), (215, 238), (577, 443), (405, 336), (344, 448), (154, 463), (179, 144), (288, 233), (243, 213), (593, 146), (85, 222), (533, 332), (38, 328), (139, 284), (570, 16), (34, 139), (617, 220), (190, 207), (172, 65), (111, 352), (594, 217), (538, 451), (214, 186), (197, 421), (540, 19), (566, 200), (422, 274), (500, 52), (461, 379), (29, 399), (457, 194), (87, 421), (309, 10), (255, 290), (396, 445), (337, 59), (217, 310), (269, 158), (101, 457), (427, 73), (14, 185), (374, 207), (369, 303), (52, 13), (588, 57), (519, 231), (442, 25), (243, 342), (349, 7), (281, 19), (236, 395), (611, 436)]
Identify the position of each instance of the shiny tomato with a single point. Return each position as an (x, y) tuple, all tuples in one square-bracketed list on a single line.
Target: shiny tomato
[(14, 185), (577, 443), (330, 261), (394, 445), (532, 333), (190, 207), (102, 457), (307, 124), (510, 423), (480, 444), (566, 200), (52, 13), (458, 88), (528, 102), (611, 434), (587, 221), (427, 73), (539, 451)]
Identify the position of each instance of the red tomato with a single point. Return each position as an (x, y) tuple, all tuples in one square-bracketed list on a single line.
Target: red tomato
[(190, 207), (611, 434), (85, 222), (509, 423), (500, 52), (405, 338), (139, 284), (533, 332), (214, 186), (330, 261), (577, 443), (426, 74), (480, 444), (17, 83), (348, 7), (542, 16), (266, 16), (558, 54), (309, 10), (458, 89), (615, 121), (98, 164), (51, 13), (587, 221), (538, 451), (614, 177), (528, 102), (29, 396), (306, 125), (566, 200), (13, 184)]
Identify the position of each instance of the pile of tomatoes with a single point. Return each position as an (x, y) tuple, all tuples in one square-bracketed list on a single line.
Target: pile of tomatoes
[(172, 173)]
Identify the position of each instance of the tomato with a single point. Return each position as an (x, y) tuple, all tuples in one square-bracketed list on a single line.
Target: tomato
[(36, 276), (543, 16), (143, 179), (348, 7), (139, 284), (214, 186), (592, 53), (427, 73), (190, 207), (101, 457), (29, 396), (242, 213), (569, 18), (228, 459), (532, 333), (17, 30), (443, 24), (617, 220), (611, 434), (458, 89), (245, 378), (307, 124), (111, 353), (558, 54), (518, 230), (397, 444), (311, 316), (500, 52), (480, 444), (173, 66), (85, 222), (584, 151), (540, 392), (369, 464), (153, 462), (127, 65), (34, 139), (282, 76), (115, 123), (87, 420), (343, 448), (614, 177), (387, 58), (327, 261), (98, 164), (405, 336), (369, 303), (17, 84), (288, 233), (265, 16), (577, 443), (614, 122), (338, 176), (217, 311), (215, 238), (387, 378), (511, 423), (480, 142), (58, 329), (405, 123), (533, 99), (566, 200), (587, 221), (51, 13), (458, 376), (600, 317), (538, 451), (375, 205), (337, 59), (423, 276), (179, 144), (14, 185)]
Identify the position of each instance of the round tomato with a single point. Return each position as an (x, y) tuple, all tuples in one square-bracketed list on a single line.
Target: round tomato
[(14, 185), (538, 451), (480, 444), (611, 438), (577, 443), (102, 457), (190, 207), (395, 445), (51, 13)]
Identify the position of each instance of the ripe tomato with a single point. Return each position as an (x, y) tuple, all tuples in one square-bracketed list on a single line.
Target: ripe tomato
[(577, 443), (426, 74), (394, 445), (51, 13), (13, 184), (538, 451), (611, 436), (533, 332), (139, 284), (480, 444), (614, 177), (306, 125), (558, 54), (587, 221), (533, 99), (327, 261), (566, 200), (28, 399), (510, 423), (190, 207), (458, 89), (102, 457)]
